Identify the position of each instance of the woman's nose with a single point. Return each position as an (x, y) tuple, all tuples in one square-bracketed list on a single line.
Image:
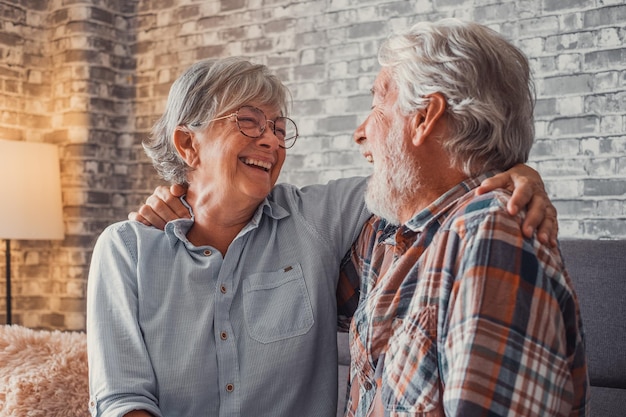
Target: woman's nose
[(269, 139)]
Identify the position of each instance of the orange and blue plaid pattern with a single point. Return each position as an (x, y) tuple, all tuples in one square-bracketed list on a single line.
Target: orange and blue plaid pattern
[(460, 315)]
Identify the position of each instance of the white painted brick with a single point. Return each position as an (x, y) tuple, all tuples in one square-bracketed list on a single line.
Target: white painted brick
[(307, 57), (343, 142), (423, 6), (590, 146), (609, 37), (164, 18), (606, 81), (568, 63), (337, 70), (568, 106), (75, 321), (559, 188), (336, 105), (313, 160), (569, 229), (532, 46), (75, 289), (612, 124), (79, 13)]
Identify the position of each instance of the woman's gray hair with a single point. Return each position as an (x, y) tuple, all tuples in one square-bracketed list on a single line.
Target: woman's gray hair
[(206, 90), (486, 82)]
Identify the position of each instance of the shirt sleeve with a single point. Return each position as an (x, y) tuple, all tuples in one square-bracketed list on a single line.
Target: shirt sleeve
[(336, 211), (507, 345), (121, 378)]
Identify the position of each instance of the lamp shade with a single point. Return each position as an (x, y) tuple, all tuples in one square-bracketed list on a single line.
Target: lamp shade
[(31, 207)]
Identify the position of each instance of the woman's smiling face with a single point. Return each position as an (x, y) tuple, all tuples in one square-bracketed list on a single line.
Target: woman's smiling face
[(236, 164)]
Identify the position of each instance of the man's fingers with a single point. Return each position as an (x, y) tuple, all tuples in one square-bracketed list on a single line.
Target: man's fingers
[(164, 208), (528, 191), (549, 229), (161, 207), (133, 215), (178, 190), (542, 216), (502, 180), (162, 192), (523, 193), (150, 216), (166, 202), (534, 217)]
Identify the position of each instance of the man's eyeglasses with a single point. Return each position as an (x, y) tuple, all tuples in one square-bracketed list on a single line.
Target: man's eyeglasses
[(252, 122)]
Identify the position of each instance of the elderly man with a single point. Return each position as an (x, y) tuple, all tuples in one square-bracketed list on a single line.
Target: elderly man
[(459, 313)]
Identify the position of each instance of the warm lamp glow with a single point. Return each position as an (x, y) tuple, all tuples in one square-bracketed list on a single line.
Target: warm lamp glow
[(31, 195)]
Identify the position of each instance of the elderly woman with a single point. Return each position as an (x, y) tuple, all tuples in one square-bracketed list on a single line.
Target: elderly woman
[(232, 312)]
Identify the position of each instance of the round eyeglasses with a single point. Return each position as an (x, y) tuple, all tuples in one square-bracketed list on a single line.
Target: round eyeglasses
[(251, 122)]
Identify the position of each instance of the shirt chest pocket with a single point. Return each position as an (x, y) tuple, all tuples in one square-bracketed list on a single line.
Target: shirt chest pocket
[(411, 372), (277, 305)]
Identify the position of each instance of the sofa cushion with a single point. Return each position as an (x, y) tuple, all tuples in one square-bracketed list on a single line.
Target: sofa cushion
[(43, 373), (598, 270), (607, 402)]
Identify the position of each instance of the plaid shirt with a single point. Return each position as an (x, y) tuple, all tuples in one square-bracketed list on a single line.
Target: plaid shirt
[(460, 315)]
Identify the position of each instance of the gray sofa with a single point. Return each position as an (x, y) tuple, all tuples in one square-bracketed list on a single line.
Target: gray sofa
[(54, 364), (598, 269)]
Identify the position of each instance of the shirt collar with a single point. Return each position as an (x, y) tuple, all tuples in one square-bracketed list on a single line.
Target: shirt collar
[(437, 208), (434, 212)]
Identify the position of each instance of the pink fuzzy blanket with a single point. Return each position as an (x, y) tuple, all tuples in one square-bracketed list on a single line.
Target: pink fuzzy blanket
[(43, 373)]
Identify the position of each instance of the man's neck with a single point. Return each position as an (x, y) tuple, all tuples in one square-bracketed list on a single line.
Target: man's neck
[(430, 190)]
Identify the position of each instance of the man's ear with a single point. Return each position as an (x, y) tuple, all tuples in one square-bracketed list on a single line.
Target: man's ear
[(427, 119), (186, 146)]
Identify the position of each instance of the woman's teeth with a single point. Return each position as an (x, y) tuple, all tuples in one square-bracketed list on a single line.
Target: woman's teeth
[(255, 162)]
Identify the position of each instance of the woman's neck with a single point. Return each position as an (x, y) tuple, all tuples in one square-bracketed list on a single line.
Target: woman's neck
[(219, 220)]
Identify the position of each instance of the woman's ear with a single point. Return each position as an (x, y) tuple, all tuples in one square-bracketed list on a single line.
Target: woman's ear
[(426, 120), (185, 144)]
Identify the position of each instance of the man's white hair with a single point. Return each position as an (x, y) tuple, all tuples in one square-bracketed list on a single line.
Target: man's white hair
[(486, 82)]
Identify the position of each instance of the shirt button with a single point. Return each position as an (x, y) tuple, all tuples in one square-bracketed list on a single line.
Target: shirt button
[(230, 387), (207, 252), (367, 386), (223, 289), (224, 335)]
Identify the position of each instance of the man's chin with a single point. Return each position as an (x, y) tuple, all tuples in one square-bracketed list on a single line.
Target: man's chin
[(382, 209)]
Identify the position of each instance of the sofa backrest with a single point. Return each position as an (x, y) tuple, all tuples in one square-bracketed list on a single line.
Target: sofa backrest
[(598, 270)]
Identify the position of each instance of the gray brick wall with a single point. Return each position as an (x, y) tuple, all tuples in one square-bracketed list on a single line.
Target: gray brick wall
[(93, 75)]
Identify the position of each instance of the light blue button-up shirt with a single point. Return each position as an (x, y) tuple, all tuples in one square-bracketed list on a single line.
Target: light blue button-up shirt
[(179, 330)]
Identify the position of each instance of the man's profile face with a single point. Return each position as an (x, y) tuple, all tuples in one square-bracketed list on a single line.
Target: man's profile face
[(384, 138)]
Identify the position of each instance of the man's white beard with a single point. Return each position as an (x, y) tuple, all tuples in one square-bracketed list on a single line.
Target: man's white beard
[(395, 178)]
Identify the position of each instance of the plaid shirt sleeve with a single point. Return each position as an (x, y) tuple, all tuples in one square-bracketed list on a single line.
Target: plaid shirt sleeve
[(511, 341)]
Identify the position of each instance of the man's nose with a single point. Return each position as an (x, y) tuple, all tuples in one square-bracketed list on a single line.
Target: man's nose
[(359, 133)]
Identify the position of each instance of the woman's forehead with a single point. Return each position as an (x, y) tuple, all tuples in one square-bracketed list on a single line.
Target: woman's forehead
[(270, 109)]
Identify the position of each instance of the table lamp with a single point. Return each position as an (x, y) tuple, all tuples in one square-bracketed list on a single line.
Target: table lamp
[(31, 207)]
